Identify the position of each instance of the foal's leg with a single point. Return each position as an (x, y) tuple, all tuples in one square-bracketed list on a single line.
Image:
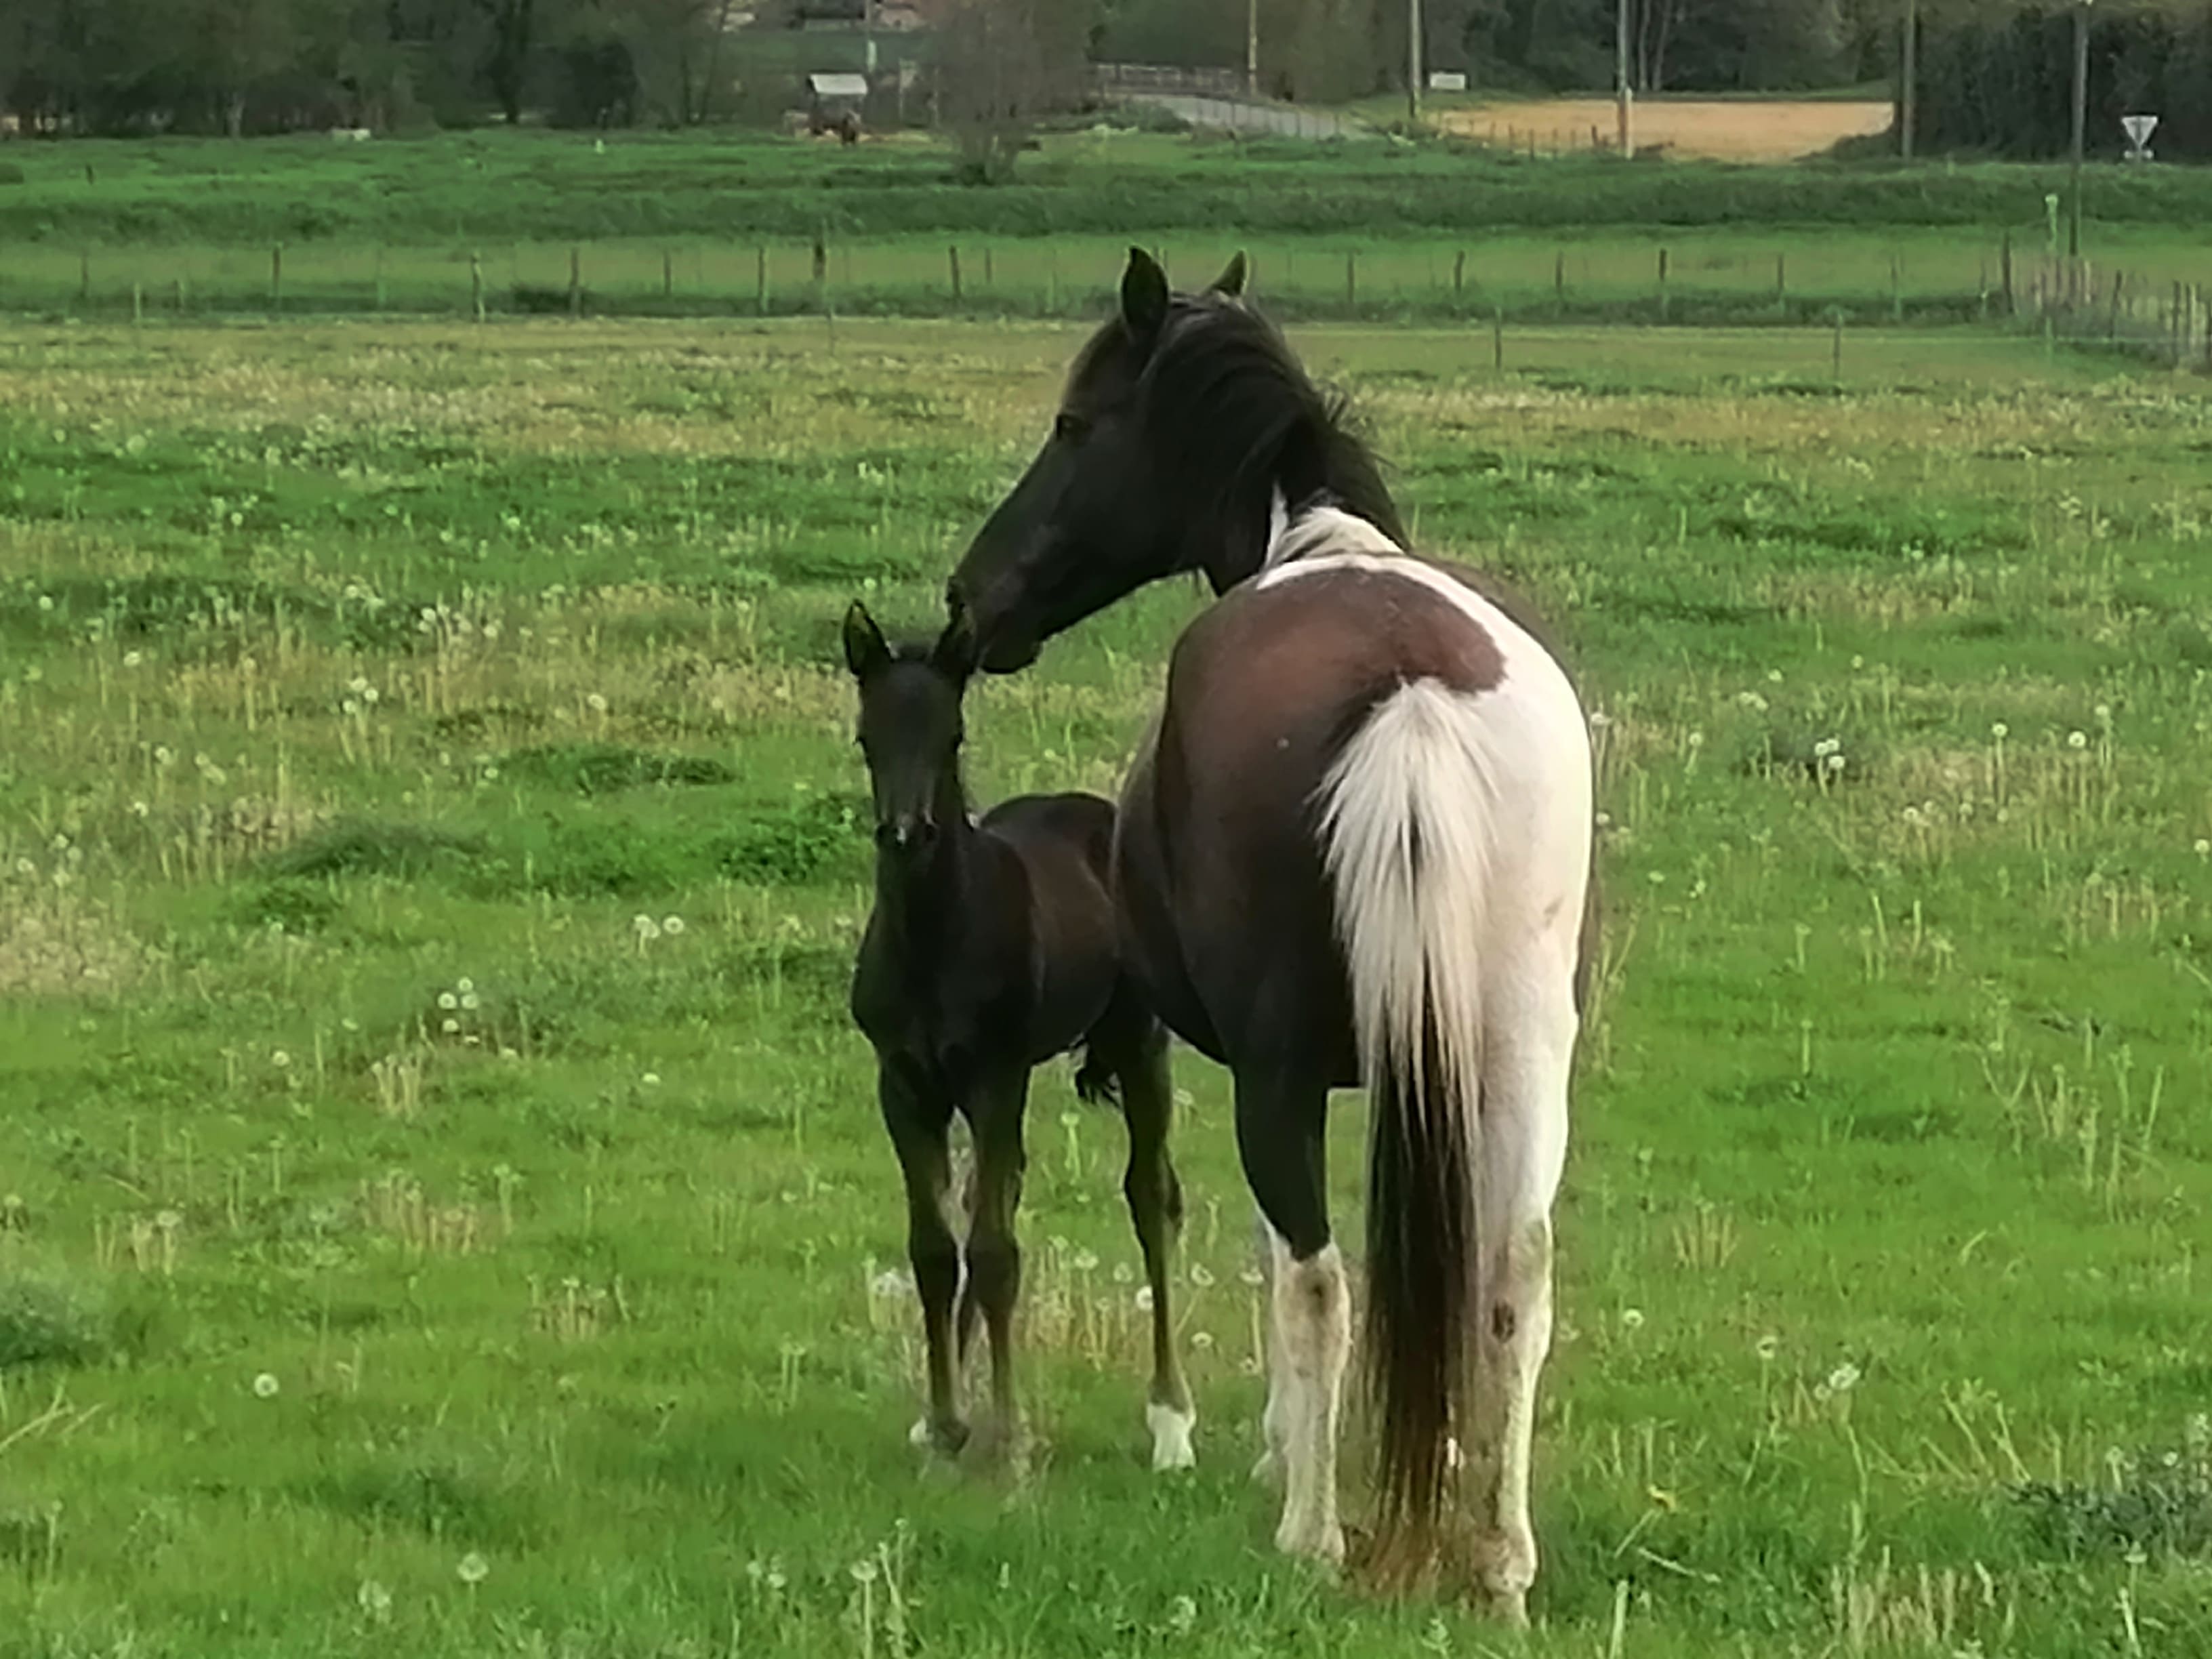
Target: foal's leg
[(1156, 1210), (1529, 1052), (918, 1123), (1274, 1425), (1280, 1132), (994, 1256)]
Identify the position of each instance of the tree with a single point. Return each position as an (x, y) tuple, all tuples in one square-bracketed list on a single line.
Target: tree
[(507, 59), (1001, 65)]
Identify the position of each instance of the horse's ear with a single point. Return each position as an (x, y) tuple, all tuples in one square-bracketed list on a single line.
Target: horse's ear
[(865, 649), (955, 652), (1230, 283), (1144, 297)]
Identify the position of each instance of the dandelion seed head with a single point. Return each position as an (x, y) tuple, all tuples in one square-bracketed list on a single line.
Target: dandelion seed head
[(2077, 740), (1843, 1378), (672, 925), (2000, 731), (266, 1386), (1632, 1319), (473, 1568), (448, 1001)]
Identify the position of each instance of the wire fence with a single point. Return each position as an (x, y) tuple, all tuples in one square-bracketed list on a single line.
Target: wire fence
[(2081, 302), (2155, 310)]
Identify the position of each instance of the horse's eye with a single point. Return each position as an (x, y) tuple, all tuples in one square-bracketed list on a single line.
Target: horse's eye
[(1070, 428)]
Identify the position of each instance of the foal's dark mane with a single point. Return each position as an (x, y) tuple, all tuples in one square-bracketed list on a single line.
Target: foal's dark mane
[(1233, 413)]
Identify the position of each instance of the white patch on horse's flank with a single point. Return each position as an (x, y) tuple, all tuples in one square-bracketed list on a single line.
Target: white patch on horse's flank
[(1171, 1448)]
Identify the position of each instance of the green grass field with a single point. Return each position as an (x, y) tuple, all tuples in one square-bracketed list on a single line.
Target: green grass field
[(442, 1205)]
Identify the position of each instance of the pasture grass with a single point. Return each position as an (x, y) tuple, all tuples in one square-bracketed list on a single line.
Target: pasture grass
[(442, 1205), (481, 189)]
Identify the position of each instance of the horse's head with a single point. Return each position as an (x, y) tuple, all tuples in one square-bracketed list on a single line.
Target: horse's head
[(1091, 519), (910, 728)]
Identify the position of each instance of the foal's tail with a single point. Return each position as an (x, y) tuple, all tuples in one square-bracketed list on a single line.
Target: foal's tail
[(1407, 814)]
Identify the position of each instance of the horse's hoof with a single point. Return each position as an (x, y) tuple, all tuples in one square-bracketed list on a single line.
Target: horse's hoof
[(1171, 1429), (1322, 1543)]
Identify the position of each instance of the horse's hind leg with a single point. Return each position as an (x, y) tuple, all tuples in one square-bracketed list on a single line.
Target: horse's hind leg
[(1281, 1124), (994, 1254), (1528, 1049), (1139, 1058), (917, 1124)]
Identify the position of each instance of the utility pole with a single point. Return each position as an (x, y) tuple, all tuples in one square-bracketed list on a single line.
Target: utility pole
[(1625, 98), (1252, 47), (2080, 124), (1908, 84), (1413, 61)]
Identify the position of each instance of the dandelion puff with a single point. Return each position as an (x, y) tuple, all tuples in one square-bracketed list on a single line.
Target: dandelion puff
[(451, 1027), (1843, 1378), (652, 1080), (448, 1001), (473, 1569), (1632, 1319), (672, 927), (1144, 1298), (2000, 731), (281, 1060), (1251, 1277), (1200, 1277), (1085, 1263), (376, 1600), (1121, 1273), (1201, 1340), (2204, 847), (596, 703), (1767, 1347), (266, 1386)]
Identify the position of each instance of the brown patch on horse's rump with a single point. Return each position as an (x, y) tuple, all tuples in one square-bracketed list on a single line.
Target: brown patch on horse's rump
[(1376, 629)]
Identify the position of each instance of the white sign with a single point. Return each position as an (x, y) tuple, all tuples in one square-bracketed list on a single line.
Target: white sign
[(2139, 129), (1446, 80)]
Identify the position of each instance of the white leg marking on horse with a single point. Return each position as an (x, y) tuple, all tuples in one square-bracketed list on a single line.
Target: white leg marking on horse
[(1524, 1096), (1313, 1316), (1171, 1448)]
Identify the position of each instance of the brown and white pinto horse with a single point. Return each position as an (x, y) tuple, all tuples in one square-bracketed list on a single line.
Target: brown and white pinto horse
[(1354, 850)]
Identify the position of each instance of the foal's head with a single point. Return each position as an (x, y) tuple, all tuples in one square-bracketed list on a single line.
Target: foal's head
[(910, 728)]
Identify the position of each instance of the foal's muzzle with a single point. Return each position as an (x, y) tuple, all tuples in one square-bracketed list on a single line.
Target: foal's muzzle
[(907, 833)]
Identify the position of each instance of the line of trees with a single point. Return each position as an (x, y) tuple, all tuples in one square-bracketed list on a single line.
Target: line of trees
[(2000, 78), (237, 66), (1357, 47)]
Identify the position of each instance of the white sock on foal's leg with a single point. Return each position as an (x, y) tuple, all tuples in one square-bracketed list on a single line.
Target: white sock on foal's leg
[(1313, 1322), (1171, 1430)]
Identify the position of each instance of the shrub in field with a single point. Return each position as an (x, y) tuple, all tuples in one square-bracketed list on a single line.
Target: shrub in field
[(47, 1322)]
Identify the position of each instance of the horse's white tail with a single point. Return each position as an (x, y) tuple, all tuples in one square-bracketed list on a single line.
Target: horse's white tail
[(1407, 816)]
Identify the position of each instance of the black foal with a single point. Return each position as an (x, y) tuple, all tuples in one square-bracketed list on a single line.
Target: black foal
[(993, 948)]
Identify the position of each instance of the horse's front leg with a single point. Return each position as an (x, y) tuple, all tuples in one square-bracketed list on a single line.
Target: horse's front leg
[(994, 1254), (918, 1120)]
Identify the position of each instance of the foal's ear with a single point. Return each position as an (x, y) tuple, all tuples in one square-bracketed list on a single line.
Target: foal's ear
[(1144, 297), (1230, 283), (955, 652), (865, 649)]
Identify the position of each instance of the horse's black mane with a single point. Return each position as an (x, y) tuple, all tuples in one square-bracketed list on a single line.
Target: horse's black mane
[(1234, 412)]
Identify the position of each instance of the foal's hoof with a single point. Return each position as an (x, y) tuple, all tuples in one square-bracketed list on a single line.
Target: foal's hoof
[(943, 1439), (999, 1448), (1171, 1428)]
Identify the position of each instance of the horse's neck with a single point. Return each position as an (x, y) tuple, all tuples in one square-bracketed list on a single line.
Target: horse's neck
[(923, 898)]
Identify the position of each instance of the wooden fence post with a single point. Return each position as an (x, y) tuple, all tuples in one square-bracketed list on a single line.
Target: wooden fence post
[(952, 262), (1459, 273), (575, 282), (2012, 305), (760, 279), (1663, 285), (1351, 281), (276, 277), (476, 286), (667, 274), (1559, 277), (1836, 346), (137, 304), (83, 275), (1497, 338), (380, 279)]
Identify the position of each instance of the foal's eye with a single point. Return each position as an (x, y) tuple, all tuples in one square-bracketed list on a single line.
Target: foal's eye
[(1070, 428)]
